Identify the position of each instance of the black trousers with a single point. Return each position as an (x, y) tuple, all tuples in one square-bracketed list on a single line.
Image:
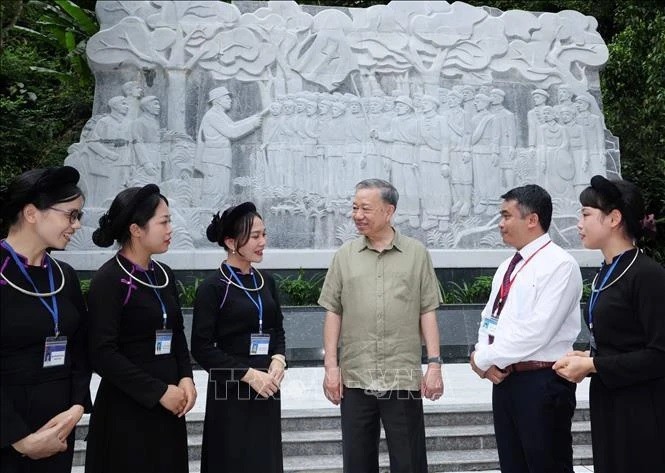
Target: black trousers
[(401, 413), (533, 412)]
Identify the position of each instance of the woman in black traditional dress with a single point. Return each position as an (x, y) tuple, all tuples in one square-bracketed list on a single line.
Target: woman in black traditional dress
[(137, 344), (626, 319), (238, 337), (44, 372)]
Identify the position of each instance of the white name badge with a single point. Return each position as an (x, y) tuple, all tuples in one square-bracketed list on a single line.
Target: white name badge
[(488, 325), (55, 349), (259, 344), (163, 342)]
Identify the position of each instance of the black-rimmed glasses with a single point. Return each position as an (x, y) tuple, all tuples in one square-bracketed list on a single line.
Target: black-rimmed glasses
[(73, 215)]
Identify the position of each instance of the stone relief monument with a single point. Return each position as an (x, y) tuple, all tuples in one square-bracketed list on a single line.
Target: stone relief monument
[(289, 106)]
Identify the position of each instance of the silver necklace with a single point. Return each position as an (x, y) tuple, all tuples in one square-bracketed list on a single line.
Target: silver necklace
[(152, 286), (38, 294), (595, 278), (232, 282)]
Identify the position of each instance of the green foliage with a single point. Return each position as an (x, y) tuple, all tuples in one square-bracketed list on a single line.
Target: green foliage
[(301, 290), (586, 292), (634, 97), (463, 293), (187, 292), (43, 113), (85, 286)]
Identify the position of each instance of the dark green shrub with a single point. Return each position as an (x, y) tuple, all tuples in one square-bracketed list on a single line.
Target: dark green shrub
[(300, 290)]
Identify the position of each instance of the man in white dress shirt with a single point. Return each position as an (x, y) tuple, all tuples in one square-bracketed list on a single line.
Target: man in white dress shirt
[(531, 319)]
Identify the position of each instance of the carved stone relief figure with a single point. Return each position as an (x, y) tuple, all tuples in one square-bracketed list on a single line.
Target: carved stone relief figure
[(457, 147), (108, 144), (506, 124), (485, 155), (468, 97), (377, 151), (273, 144), (313, 164), (213, 152), (555, 159), (578, 148), (357, 131), (403, 137), (564, 98), (336, 160), (534, 117), (443, 100), (146, 143), (593, 129), (289, 155), (434, 171), (133, 92)]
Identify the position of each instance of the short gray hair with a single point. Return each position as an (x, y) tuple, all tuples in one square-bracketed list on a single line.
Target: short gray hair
[(388, 192)]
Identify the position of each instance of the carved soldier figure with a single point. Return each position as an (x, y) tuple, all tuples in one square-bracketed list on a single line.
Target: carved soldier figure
[(506, 124), (312, 163), (457, 147), (274, 142), (434, 169), (468, 104), (109, 158), (377, 151), (357, 130), (213, 147), (534, 117), (133, 92), (564, 98), (554, 156), (578, 148), (485, 156), (146, 140), (403, 136), (595, 135), (336, 161)]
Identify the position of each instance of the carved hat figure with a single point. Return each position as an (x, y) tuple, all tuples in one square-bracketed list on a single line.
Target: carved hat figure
[(430, 99), (584, 98), (498, 92), (217, 93), (405, 100), (541, 92)]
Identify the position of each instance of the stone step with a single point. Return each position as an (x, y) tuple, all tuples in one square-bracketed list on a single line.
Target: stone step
[(328, 443), (329, 419), (438, 461)]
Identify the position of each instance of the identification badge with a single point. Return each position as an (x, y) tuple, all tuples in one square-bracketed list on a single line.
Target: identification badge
[(259, 344), (488, 325), (163, 342), (55, 349)]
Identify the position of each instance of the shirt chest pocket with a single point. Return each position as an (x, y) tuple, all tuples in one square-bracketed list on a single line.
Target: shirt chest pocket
[(399, 285)]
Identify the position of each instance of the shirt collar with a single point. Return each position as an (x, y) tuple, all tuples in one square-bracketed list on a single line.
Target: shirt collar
[(396, 243), (528, 250)]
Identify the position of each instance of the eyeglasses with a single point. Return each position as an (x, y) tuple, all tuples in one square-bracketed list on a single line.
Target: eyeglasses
[(73, 215)]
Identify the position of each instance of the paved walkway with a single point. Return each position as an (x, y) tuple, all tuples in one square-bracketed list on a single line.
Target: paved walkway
[(301, 389)]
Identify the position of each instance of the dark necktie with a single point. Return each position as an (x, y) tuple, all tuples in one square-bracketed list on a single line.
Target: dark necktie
[(505, 287)]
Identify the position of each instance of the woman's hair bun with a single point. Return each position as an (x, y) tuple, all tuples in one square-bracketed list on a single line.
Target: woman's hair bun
[(103, 236), (213, 230)]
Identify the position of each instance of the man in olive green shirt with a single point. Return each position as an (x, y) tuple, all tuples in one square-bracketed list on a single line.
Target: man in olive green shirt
[(380, 295)]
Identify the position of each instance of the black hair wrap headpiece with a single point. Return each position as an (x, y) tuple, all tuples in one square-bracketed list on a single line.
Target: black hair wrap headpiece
[(607, 189), (221, 227)]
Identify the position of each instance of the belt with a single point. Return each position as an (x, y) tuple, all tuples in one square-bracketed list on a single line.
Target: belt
[(528, 366)]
